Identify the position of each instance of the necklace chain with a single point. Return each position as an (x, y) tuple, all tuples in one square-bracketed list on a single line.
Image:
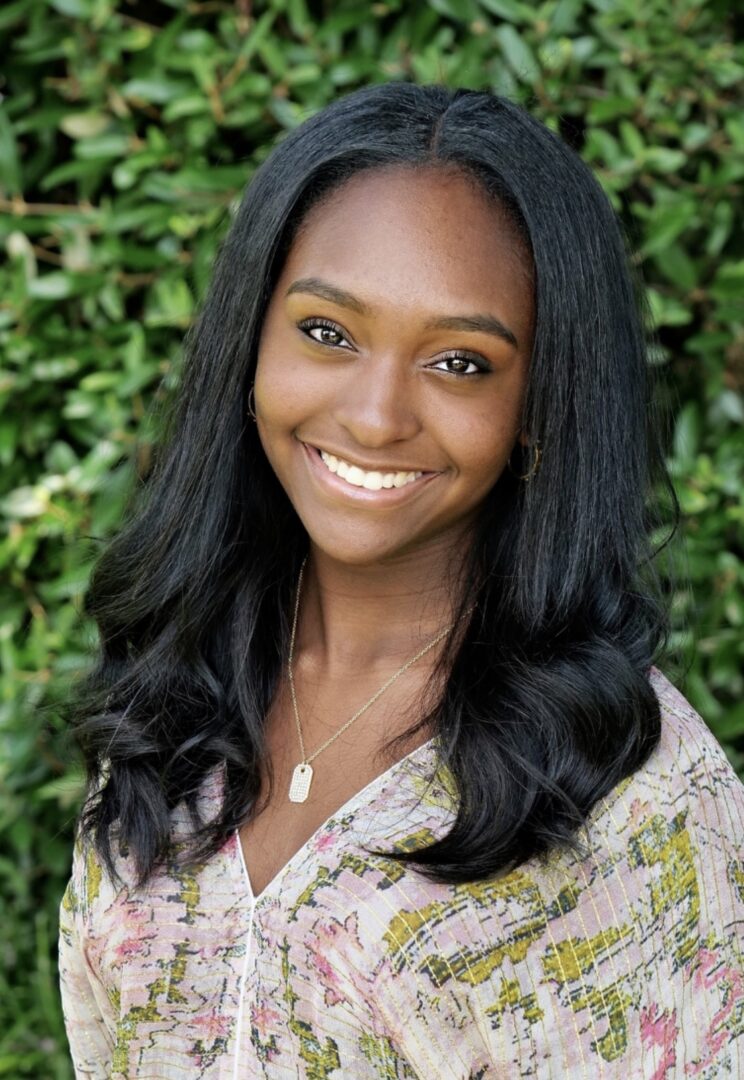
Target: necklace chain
[(304, 764)]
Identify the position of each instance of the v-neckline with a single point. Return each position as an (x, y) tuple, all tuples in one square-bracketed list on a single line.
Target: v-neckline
[(352, 803)]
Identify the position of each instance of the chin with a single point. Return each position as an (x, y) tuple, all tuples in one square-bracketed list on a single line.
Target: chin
[(359, 551), (350, 554)]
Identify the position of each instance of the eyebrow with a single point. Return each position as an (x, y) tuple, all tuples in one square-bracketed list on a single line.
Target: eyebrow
[(476, 323)]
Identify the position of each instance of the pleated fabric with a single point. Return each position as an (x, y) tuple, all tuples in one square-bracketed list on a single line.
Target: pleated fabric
[(628, 963)]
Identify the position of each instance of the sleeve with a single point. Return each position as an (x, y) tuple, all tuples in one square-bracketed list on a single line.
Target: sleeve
[(87, 1011), (712, 1015)]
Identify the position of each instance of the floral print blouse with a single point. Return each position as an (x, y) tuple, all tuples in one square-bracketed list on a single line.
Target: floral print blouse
[(624, 964)]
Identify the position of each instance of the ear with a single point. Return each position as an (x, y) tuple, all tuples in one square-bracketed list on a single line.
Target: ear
[(524, 438)]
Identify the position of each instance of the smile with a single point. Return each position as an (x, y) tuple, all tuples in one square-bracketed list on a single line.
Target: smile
[(372, 481), (342, 478)]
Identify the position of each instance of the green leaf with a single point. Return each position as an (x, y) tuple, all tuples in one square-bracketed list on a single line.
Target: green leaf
[(518, 54), (25, 502), (632, 138), (610, 108), (687, 433), (460, 10), (55, 285), (84, 125), (695, 135), (188, 105), (76, 9), (603, 147), (729, 281), (66, 791), (12, 14), (667, 310), (511, 10), (667, 223), (10, 169), (723, 223), (158, 90), (677, 266), (169, 304), (71, 170), (102, 146), (54, 369), (664, 159)]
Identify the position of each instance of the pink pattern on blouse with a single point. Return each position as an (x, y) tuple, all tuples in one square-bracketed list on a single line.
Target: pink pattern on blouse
[(624, 964)]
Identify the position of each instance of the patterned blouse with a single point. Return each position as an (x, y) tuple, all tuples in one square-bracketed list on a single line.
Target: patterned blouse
[(625, 964)]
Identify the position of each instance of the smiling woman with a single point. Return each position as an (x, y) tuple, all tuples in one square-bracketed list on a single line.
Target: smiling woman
[(384, 780), (395, 351)]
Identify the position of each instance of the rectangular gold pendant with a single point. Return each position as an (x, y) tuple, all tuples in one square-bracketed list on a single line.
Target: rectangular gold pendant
[(302, 776)]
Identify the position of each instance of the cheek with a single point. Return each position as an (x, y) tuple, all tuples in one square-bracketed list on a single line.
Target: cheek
[(485, 463), (481, 446), (281, 394)]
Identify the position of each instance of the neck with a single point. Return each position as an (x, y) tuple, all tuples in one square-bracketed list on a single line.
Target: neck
[(374, 617)]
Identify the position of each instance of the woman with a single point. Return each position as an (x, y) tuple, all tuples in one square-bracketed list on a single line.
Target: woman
[(383, 781)]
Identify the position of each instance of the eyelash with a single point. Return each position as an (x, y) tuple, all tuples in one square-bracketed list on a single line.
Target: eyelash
[(310, 324)]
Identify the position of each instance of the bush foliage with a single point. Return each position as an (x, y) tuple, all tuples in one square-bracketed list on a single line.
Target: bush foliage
[(127, 132)]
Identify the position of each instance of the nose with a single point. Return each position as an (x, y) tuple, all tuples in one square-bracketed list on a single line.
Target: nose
[(377, 403)]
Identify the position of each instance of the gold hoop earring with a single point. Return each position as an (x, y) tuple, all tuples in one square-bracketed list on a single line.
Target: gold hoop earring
[(535, 464), (251, 413)]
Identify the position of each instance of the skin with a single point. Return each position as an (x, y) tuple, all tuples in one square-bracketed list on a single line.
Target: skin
[(412, 246)]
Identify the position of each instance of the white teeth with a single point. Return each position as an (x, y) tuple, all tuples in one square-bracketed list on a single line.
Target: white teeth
[(373, 481)]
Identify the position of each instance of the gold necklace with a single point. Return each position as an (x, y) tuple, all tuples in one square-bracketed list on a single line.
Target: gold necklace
[(299, 788)]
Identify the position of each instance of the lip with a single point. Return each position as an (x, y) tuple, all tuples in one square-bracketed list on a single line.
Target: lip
[(338, 486)]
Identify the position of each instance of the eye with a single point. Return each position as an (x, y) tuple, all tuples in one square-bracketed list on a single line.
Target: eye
[(325, 326), (478, 366)]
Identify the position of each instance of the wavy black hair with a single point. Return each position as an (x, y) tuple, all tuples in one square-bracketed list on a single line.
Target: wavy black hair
[(546, 703)]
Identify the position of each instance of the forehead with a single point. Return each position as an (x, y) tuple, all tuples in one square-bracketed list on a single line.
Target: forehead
[(416, 234)]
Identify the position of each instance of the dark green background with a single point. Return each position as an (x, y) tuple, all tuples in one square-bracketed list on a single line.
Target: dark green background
[(127, 131)]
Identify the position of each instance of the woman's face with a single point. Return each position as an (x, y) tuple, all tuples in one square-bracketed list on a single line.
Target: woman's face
[(397, 340)]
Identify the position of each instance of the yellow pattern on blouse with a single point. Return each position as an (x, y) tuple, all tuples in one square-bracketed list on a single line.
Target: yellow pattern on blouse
[(626, 963)]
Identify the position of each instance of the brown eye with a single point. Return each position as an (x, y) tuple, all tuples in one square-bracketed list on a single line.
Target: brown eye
[(461, 364), (328, 331)]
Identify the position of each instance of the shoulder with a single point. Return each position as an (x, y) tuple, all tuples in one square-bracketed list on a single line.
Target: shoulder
[(689, 762), (628, 955), (678, 715), (127, 933), (674, 829), (687, 783), (79, 896), (92, 894)]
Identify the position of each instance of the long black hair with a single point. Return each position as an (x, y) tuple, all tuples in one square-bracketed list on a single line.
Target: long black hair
[(546, 704)]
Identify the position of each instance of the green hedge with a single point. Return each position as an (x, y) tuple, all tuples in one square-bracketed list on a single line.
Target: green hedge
[(127, 132)]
